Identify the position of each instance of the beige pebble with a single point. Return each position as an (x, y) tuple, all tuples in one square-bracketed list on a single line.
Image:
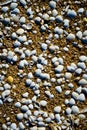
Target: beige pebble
[(41, 128), (10, 79)]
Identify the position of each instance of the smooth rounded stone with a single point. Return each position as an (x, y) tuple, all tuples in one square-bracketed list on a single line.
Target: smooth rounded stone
[(68, 75), (43, 103), (75, 95), (54, 12), (5, 93), (51, 115), (75, 109), (25, 95), (57, 117), (23, 63), (7, 86), (85, 33), (39, 119), (57, 109), (58, 30), (49, 94), (22, 38), (22, 20), (17, 104), (13, 5), (44, 46), (16, 44), (31, 106), (81, 65), (80, 10), (19, 116), (66, 102), (71, 13), (52, 4), (84, 40), (84, 76), (79, 34), (54, 59), (33, 128), (66, 23), (13, 126), (82, 116), (70, 37), (59, 68), (83, 58), (60, 60), (29, 11), (23, 2), (84, 90), (4, 127), (79, 89), (58, 89), (67, 92), (21, 126), (59, 18), (37, 20), (53, 80), (4, 9), (82, 82), (81, 97), (15, 58), (48, 120), (20, 31), (78, 71), (70, 85), (68, 111), (71, 102), (41, 128), (46, 17)]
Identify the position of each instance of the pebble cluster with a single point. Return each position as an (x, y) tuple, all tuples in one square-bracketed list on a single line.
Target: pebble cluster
[(43, 64)]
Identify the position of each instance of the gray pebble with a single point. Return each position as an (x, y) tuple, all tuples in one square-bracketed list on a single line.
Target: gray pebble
[(20, 116), (79, 34), (71, 13), (23, 2), (75, 109), (43, 103), (70, 37), (13, 5), (52, 4), (78, 71), (57, 117), (72, 102), (58, 89), (17, 104), (21, 126), (81, 97), (83, 82), (81, 65), (57, 109), (13, 126), (68, 111)]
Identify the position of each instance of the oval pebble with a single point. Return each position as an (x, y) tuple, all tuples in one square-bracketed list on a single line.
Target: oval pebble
[(75, 109)]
